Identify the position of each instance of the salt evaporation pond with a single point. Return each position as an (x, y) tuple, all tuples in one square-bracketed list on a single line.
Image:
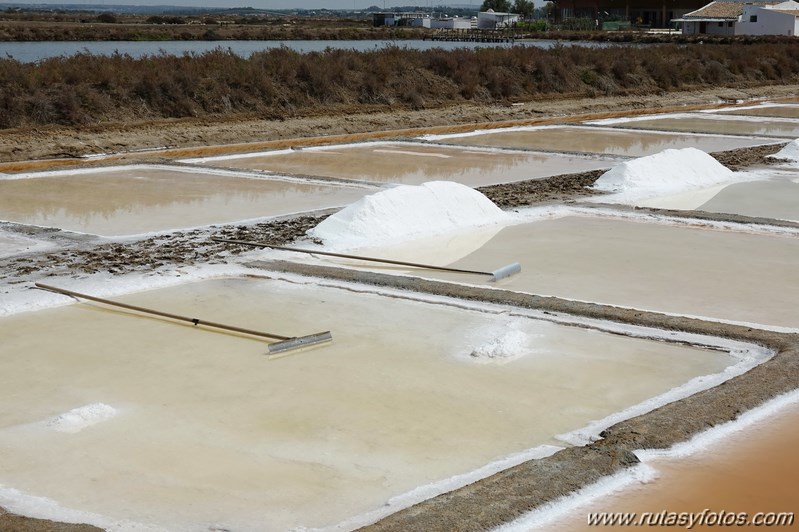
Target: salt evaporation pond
[(600, 140), (724, 275), (690, 179), (413, 164), (776, 197), (132, 200), (712, 124), (745, 465), (149, 421), (751, 471), (767, 110)]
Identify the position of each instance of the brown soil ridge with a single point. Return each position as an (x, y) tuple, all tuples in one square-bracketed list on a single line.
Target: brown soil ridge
[(47, 147), (509, 494)]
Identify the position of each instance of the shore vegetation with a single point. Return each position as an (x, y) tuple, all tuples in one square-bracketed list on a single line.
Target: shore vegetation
[(282, 83)]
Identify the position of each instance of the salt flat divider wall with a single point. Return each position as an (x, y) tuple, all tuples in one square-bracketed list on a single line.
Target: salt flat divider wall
[(501, 498)]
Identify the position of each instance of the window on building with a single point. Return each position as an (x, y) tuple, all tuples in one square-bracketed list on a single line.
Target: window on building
[(752, 18), (721, 24), (729, 24)]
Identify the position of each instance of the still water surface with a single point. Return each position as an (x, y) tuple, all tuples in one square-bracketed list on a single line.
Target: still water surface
[(29, 52)]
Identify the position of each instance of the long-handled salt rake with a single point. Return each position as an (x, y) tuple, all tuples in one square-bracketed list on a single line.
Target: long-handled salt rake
[(496, 275), (284, 343)]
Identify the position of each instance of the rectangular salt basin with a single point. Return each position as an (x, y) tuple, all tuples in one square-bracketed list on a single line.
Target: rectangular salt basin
[(412, 164), (776, 197), (752, 470), (751, 278), (716, 124), (599, 140), (208, 432), (134, 200), (768, 110)]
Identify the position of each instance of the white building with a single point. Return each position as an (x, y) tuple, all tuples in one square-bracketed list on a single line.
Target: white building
[(401, 18), (779, 19), (490, 20), (451, 23), (742, 18)]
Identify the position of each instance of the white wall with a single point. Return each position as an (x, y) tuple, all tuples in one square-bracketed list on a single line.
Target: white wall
[(451, 23), (490, 21), (711, 28), (769, 22)]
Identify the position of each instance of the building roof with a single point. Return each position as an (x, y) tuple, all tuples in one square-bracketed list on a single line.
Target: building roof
[(794, 12), (717, 11)]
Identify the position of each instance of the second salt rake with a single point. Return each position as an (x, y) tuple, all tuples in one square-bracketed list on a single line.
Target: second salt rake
[(496, 275)]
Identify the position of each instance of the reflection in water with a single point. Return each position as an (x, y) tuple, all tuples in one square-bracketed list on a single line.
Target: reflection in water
[(132, 201), (602, 140), (416, 164)]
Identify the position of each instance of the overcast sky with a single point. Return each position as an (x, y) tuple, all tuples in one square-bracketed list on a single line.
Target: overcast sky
[(260, 4)]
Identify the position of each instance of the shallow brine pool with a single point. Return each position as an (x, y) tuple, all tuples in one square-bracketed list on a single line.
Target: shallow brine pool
[(412, 164), (598, 140), (134, 200), (713, 124), (663, 267), (767, 110), (143, 420)]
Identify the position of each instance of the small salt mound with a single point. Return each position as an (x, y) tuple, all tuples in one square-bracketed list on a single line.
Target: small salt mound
[(667, 172), (509, 346), (790, 151), (80, 418), (406, 212)]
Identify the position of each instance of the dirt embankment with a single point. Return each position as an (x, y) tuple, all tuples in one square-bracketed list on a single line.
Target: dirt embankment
[(159, 140)]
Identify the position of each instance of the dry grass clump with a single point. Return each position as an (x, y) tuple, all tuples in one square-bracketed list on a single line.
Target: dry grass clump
[(281, 83)]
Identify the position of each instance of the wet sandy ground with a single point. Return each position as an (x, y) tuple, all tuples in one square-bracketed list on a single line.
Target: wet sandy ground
[(752, 471), (602, 140), (140, 200), (203, 418), (413, 164), (707, 123)]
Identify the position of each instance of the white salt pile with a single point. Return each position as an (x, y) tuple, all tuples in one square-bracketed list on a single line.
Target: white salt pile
[(406, 212), (790, 152), (508, 346), (80, 418), (664, 173)]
